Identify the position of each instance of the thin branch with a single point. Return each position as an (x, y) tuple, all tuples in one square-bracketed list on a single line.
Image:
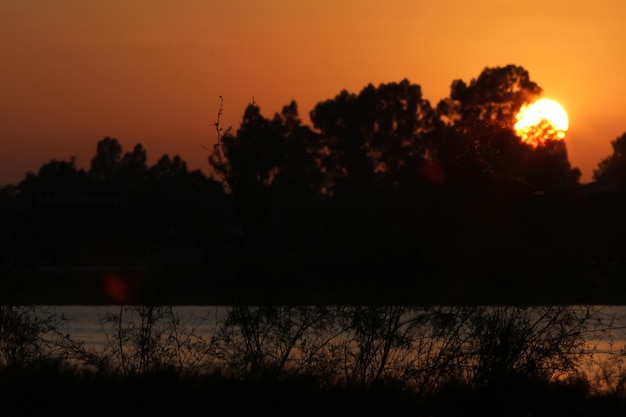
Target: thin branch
[(217, 148)]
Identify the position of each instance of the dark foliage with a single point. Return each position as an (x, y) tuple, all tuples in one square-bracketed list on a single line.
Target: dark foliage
[(46, 390), (384, 199)]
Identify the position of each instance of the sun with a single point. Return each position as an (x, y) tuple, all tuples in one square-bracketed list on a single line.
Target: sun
[(541, 121)]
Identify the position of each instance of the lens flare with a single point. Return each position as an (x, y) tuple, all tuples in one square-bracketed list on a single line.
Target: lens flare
[(541, 121), (121, 288)]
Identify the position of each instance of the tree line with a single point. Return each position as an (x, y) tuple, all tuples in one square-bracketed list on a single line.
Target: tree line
[(384, 198)]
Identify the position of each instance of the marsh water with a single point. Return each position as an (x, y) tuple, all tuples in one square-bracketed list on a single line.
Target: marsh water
[(98, 326), (90, 325)]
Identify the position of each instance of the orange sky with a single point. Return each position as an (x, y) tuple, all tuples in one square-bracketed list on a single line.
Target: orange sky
[(152, 71)]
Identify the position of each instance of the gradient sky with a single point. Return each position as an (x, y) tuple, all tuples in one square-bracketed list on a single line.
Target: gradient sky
[(152, 71)]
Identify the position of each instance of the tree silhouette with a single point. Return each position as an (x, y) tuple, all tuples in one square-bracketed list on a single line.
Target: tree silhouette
[(607, 196), (265, 152), (272, 178), (478, 145), (106, 163), (374, 137), (268, 163), (120, 213), (494, 97), (479, 137), (547, 167), (133, 168), (169, 183), (613, 167), (166, 167), (297, 178), (54, 177), (383, 197), (420, 196), (376, 159)]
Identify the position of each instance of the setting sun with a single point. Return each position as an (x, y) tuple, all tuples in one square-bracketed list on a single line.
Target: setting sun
[(540, 121)]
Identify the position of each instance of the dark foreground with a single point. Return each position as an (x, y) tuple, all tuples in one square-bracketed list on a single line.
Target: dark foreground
[(48, 390)]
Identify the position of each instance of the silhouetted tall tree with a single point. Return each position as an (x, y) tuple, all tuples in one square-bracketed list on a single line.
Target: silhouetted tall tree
[(613, 167), (169, 167), (133, 168), (272, 178), (106, 163), (480, 116), (494, 97), (374, 137), (267, 155), (297, 177)]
